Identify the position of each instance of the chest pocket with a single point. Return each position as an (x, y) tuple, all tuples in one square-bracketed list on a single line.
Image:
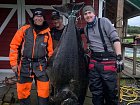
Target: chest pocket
[(45, 40)]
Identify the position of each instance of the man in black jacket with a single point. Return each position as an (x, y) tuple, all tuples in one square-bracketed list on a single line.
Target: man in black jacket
[(58, 27)]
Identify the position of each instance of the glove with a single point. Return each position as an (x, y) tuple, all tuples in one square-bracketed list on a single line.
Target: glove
[(87, 55), (15, 68), (87, 58), (119, 63)]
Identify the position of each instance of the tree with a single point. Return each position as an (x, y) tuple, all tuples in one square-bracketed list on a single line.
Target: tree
[(133, 30)]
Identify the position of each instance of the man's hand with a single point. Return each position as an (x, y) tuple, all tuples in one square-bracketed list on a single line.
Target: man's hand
[(119, 63), (15, 68), (87, 58)]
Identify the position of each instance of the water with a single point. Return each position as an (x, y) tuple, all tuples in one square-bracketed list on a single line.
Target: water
[(129, 52)]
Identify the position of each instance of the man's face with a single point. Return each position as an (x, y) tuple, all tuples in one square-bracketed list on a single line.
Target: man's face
[(57, 22), (89, 16), (38, 20)]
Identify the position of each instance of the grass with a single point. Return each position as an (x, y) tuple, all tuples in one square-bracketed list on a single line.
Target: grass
[(127, 82), (138, 58), (128, 40)]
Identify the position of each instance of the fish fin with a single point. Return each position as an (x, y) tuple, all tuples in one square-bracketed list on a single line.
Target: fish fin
[(69, 8)]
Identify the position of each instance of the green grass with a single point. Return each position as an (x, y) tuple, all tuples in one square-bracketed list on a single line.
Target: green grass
[(128, 40), (138, 58), (127, 82)]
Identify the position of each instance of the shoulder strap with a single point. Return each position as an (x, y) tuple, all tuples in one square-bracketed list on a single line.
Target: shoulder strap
[(87, 35), (101, 34), (102, 37)]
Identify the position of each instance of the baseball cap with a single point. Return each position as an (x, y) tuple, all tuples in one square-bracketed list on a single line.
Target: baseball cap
[(55, 15), (38, 12), (88, 8)]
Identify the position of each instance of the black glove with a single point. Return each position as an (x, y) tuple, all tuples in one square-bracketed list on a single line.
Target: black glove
[(119, 63), (87, 58)]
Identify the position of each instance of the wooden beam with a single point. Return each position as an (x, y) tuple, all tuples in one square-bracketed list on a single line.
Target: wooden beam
[(100, 8), (119, 19), (125, 22), (8, 18)]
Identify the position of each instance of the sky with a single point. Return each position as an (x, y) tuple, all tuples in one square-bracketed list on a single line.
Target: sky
[(134, 21)]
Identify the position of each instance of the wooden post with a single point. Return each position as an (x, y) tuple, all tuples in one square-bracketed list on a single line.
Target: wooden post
[(125, 22), (119, 27), (93, 3), (100, 8), (119, 19)]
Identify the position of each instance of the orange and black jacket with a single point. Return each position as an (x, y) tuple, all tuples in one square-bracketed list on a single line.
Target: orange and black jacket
[(33, 44)]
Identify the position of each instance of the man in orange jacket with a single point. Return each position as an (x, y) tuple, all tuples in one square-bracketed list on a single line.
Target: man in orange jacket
[(29, 50)]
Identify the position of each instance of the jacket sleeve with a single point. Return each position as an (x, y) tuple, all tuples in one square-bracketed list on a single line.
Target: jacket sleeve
[(14, 45), (50, 45), (110, 30)]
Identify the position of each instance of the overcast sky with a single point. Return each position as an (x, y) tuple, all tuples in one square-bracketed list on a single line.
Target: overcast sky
[(134, 21)]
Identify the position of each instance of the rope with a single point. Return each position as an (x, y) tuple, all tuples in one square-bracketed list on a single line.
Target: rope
[(8, 81), (6, 84), (130, 94)]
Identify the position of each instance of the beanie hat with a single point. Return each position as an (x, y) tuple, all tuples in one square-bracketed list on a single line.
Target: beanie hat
[(88, 8), (55, 15), (38, 12)]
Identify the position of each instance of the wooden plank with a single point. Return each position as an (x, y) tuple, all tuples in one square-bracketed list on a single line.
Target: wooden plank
[(43, 2), (128, 70), (119, 18), (8, 1), (5, 65)]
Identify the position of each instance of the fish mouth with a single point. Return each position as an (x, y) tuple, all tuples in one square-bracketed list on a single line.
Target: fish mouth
[(65, 97), (70, 101)]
